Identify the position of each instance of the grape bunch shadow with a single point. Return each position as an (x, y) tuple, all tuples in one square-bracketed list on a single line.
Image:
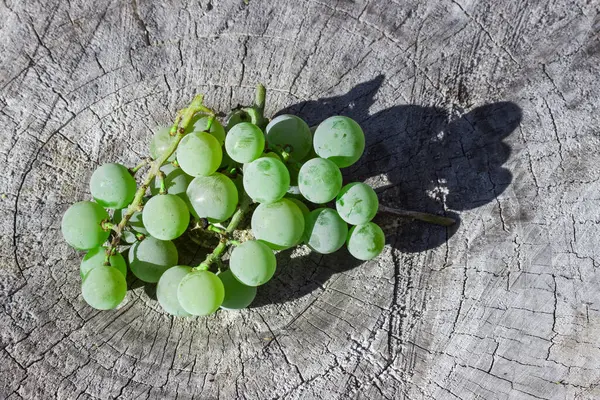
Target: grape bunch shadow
[(431, 161)]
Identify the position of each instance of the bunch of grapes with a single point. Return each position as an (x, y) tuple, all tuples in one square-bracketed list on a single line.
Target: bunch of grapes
[(202, 173)]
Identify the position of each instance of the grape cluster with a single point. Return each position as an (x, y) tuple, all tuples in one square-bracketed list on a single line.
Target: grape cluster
[(287, 174)]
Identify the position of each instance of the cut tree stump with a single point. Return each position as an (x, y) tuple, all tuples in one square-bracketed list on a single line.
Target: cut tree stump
[(482, 110)]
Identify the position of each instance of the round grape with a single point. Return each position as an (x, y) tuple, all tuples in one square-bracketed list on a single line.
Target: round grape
[(81, 225), (112, 186), (214, 197), (252, 263), (245, 142), (200, 292), (237, 295), (199, 154), (161, 140), (325, 231), (319, 180), (289, 130), (339, 139), (95, 258), (166, 290), (266, 180), (216, 129), (357, 203), (166, 216), (366, 241), (176, 181), (104, 287), (303, 207), (151, 257), (280, 225)]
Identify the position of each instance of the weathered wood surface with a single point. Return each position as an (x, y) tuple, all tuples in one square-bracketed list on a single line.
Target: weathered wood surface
[(486, 109)]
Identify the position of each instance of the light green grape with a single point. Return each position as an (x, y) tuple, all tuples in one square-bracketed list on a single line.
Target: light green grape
[(269, 154), (237, 117), (237, 295), (200, 292), (151, 257), (166, 290), (366, 241), (112, 186), (104, 287), (214, 197), (290, 131), (216, 129), (252, 263), (81, 225), (176, 181), (245, 142), (325, 232), (161, 140), (266, 180), (303, 207), (166, 216), (135, 223), (319, 180), (280, 225), (199, 154), (357, 203), (95, 258), (339, 139)]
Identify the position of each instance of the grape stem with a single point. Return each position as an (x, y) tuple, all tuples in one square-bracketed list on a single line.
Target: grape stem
[(421, 216), (141, 165)]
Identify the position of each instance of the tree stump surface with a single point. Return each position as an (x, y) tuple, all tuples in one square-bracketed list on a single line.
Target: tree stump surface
[(484, 110)]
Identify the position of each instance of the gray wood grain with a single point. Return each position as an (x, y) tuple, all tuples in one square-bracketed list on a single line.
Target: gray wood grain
[(486, 110)]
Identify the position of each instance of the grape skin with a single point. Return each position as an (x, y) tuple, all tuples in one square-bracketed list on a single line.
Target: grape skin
[(339, 139), (216, 129), (366, 241), (319, 180), (289, 130), (95, 258), (112, 186), (161, 140), (200, 293), (266, 180), (104, 287), (151, 257), (81, 225), (199, 154), (325, 232), (237, 295), (166, 290), (214, 197), (279, 225), (252, 263), (166, 216), (245, 142), (357, 203)]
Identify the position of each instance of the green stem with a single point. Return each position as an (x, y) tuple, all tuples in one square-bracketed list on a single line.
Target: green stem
[(216, 229), (421, 216), (161, 181), (142, 164)]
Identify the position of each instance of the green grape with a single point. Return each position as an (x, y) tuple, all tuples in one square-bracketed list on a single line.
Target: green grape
[(95, 258), (104, 287), (161, 140), (151, 257), (176, 181), (280, 225), (289, 130), (339, 139), (237, 295), (269, 154), (199, 154), (319, 180), (112, 186), (303, 207), (245, 142), (216, 129), (166, 290), (266, 180), (366, 241), (214, 197), (81, 225), (200, 292), (252, 263), (357, 203), (237, 117), (166, 216), (135, 223), (325, 232)]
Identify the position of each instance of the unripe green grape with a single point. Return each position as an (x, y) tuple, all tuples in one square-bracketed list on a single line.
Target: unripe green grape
[(200, 292), (339, 139), (166, 290), (216, 129), (112, 186), (237, 117), (81, 225), (176, 181), (366, 241), (319, 180), (135, 223), (245, 142), (325, 232), (269, 154), (166, 216), (266, 180), (303, 207), (95, 258), (289, 130), (214, 197), (252, 263), (160, 142), (280, 225), (357, 203), (237, 295), (104, 287), (199, 154), (151, 257)]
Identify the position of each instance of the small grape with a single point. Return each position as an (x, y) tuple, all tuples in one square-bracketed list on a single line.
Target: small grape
[(252, 263), (357, 203), (135, 223), (280, 225), (95, 258), (325, 232), (81, 225), (289, 130), (237, 117), (161, 140), (199, 154), (166, 216), (319, 180), (245, 142), (166, 290), (214, 197), (216, 129), (303, 207), (112, 186), (339, 139), (151, 257), (104, 287), (200, 292), (237, 295), (176, 181), (266, 180), (366, 241)]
